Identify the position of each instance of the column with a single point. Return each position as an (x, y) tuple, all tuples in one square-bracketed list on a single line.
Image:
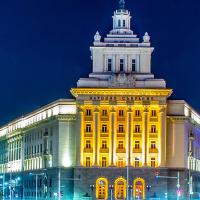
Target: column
[(162, 137), (129, 137), (96, 136), (113, 130), (145, 136), (79, 138)]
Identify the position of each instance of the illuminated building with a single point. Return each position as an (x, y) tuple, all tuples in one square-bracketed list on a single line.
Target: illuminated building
[(121, 138)]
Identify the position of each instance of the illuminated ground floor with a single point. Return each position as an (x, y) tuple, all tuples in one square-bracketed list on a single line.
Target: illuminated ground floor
[(98, 183)]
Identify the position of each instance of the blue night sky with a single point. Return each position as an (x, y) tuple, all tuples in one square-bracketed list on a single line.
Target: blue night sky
[(44, 47)]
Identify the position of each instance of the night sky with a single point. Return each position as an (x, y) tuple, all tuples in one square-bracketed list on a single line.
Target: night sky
[(44, 47)]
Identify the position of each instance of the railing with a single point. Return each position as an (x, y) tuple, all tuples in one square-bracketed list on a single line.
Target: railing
[(88, 118), (120, 150), (152, 150), (104, 150), (137, 150), (88, 150)]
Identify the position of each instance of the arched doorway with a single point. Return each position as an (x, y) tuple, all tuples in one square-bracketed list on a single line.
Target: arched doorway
[(120, 189), (139, 188), (102, 188)]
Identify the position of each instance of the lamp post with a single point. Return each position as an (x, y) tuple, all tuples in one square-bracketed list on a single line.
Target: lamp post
[(111, 187), (3, 185), (36, 179), (191, 139)]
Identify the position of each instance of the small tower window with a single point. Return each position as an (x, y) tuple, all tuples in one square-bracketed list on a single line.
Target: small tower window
[(119, 23), (124, 23), (121, 65), (109, 65), (133, 65)]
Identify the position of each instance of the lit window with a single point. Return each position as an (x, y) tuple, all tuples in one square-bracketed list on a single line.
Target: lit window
[(88, 144), (137, 162), (121, 113), (137, 145), (120, 145), (104, 113), (153, 129), (153, 145), (104, 162), (133, 65), (104, 128), (137, 113), (153, 113), (88, 128), (109, 65), (88, 112), (121, 128), (153, 162), (104, 144), (137, 128), (88, 163), (120, 162), (121, 65)]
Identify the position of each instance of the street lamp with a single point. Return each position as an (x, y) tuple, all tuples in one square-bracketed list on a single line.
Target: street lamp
[(36, 180), (111, 187), (3, 184)]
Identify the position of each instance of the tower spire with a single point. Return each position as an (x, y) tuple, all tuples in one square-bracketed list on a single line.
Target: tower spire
[(121, 4)]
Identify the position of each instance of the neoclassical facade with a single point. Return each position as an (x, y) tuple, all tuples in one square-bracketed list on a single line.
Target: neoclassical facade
[(121, 137)]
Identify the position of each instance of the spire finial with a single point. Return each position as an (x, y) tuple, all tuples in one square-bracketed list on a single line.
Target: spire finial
[(121, 4)]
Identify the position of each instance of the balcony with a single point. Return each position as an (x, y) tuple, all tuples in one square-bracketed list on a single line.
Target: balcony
[(104, 150), (153, 135), (88, 150), (88, 118), (104, 118), (153, 150), (104, 135), (153, 119), (137, 119), (121, 119), (120, 150), (137, 150), (88, 134)]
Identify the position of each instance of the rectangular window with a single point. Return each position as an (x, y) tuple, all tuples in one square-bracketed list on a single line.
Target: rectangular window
[(88, 144), (88, 163), (88, 128), (137, 128), (124, 23), (104, 144), (137, 113), (121, 128), (133, 65), (120, 162), (121, 65), (104, 113), (120, 145), (121, 113), (88, 112), (137, 145), (104, 128), (153, 129), (153, 145), (104, 162), (153, 113), (137, 162), (109, 65), (153, 162)]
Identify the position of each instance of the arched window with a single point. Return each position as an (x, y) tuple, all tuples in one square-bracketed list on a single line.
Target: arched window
[(102, 188), (139, 188), (120, 189)]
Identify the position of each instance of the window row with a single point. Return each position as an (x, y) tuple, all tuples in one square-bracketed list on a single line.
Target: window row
[(120, 144), (121, 162), (121, 113), (120, 128)]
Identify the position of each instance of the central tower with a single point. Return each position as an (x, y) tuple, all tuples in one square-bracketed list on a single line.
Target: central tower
[(121, 106)]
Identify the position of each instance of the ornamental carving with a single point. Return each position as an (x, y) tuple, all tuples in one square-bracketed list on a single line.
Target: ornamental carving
[(122, 80)]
